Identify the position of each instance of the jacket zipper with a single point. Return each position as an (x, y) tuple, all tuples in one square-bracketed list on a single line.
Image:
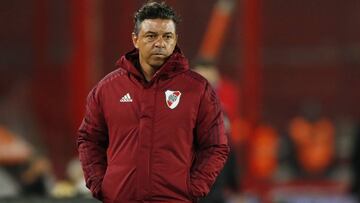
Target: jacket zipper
[(152, 141)]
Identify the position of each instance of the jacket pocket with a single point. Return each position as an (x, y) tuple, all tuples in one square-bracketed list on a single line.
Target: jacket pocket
[(105, 185), (189, 190), (188, 186)]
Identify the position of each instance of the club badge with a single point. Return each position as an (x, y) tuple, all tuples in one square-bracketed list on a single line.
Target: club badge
[(172, 98)]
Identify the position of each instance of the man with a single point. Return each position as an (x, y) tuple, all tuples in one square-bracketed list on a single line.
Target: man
[(153, 130)]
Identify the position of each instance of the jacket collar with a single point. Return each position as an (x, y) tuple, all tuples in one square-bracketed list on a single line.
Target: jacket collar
[(176, 63)]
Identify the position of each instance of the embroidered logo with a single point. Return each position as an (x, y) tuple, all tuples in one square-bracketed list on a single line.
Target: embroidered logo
[(126, 98), (172, 98)]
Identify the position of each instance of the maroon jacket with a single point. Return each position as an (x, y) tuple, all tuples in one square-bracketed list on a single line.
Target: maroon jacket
[(157, 141)]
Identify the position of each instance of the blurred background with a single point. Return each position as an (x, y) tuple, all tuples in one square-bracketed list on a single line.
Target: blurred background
[(287, 73)]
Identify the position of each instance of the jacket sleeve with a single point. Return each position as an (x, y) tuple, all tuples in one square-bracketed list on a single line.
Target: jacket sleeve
[(211, 143), (92, 143)]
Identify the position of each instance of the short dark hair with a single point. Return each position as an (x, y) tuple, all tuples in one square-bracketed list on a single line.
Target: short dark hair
[(154, 10)]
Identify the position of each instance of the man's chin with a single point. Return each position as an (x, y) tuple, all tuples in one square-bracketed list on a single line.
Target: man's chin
[(157, 64)]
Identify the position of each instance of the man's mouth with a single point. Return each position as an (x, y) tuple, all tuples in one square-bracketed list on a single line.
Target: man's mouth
[(159, 54)]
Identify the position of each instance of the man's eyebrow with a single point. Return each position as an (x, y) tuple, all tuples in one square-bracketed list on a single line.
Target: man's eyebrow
[(150, 32)]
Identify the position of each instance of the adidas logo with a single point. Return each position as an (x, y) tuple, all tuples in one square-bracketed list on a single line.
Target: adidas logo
[(126, 98)]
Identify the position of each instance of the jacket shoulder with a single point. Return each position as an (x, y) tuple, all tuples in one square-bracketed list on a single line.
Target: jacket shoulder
[(203, 83), (116, 74), (196, 77)]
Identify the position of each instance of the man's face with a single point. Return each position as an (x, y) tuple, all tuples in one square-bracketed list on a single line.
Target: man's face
[(155, 41)]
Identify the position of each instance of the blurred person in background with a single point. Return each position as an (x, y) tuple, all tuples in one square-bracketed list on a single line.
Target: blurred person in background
[(22, 158), (313, 136), (153, 129), (226, 185), (227, 91), (356, 165), (25, 171)]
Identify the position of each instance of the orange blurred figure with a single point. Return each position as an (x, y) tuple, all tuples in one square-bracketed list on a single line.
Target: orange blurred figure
[(314, 143), (13, 150), (263, 153)]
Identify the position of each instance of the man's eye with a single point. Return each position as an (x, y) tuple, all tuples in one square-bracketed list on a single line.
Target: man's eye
[(150, 36), (168, 36)]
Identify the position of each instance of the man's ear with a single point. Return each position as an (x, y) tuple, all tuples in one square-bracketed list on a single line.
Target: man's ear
[(135, 39)]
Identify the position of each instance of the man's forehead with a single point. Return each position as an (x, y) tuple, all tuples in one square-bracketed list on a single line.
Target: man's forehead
[(158, 25)]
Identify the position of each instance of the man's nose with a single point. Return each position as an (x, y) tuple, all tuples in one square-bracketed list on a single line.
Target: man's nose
[(160, 42)]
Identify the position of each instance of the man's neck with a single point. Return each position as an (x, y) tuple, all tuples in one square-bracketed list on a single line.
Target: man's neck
[(148, 71)]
